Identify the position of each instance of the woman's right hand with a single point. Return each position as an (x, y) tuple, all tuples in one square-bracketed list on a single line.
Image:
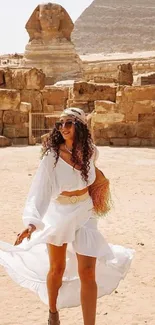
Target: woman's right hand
[(25, 234)]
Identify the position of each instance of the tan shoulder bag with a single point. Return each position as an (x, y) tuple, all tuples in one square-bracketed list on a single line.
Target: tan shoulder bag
[(100, 193)]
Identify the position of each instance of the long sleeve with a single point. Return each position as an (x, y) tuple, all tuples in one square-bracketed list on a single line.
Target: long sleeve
[(39, 196)]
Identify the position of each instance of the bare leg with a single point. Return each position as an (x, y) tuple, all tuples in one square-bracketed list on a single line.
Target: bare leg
[(57, 258), (86, 267)]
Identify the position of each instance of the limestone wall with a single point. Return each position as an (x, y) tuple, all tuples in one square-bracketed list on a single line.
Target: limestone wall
[(123, 115), (23, 91), (106, 71), (84, 95), (128, 121), (119, 115)]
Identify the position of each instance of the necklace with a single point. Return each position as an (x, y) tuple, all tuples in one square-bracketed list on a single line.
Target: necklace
[(70, 151)]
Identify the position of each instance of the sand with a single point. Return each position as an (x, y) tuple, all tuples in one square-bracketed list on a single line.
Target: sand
[(130, 223)]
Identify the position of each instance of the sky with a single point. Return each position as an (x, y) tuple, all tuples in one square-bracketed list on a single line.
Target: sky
[(15, 13)]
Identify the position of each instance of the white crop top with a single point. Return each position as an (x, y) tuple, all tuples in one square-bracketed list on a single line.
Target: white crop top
[(50, 181)]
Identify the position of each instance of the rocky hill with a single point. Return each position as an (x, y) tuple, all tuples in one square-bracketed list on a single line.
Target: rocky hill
[(116, 26)]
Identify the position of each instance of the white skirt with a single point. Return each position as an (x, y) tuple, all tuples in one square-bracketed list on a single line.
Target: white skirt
[(75, 224)]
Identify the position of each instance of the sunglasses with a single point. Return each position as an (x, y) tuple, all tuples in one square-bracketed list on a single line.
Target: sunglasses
[(68, 124)]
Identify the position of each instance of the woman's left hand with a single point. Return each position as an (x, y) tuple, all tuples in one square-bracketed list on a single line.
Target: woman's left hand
[(25, 234)]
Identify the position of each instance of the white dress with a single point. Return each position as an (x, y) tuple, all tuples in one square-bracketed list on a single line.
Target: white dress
[(75, 224)]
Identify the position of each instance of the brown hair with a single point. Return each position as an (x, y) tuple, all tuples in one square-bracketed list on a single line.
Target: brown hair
[(82, 147)]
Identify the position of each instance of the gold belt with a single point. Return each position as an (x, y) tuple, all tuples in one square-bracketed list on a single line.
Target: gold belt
[(63, 199)]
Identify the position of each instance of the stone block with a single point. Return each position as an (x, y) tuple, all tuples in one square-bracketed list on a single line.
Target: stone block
[(54, 96), (153, 142), (134, 142), (80, 104), (35, 79), (147, 79), (49, 81), (34, 97), (89, 123), (15, 131), (119, 94), (146, 143), (9, 132), (9, 99), (4, 141), (1, 128), (145, 130), (12, 117), (119, 142), (59, 108), (24, 78), (96, 130), (130, 117), (48, 108), (104, 106), (1, 118), (101, 142), (1, 115), (25, 107), (20, 141), (153, 106), (147, 118), (104, 80), (86, 91), (53, 108), (119, 130), (136, 108), (91, 106), (108, 118), (2, 81), (139, 93), (125, 74), (142, 107)]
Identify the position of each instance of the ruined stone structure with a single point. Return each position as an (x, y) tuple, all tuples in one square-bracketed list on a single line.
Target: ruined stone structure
[(146, 79), (50, 47), (84, 95), (108, 26), (125, 74), (119, 115), (14, 108), (23, 95), (130, 120), (122, 116), (106, 70), (13, 60)]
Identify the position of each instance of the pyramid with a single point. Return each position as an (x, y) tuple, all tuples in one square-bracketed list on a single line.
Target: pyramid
[(109, 26)]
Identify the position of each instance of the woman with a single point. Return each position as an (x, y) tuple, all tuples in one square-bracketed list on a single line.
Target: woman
[(61, 248)]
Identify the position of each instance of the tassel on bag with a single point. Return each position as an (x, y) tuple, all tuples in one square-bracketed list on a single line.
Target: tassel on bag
[(100, 193)]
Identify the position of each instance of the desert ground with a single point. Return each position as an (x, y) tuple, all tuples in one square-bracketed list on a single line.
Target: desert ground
[(130, 223)]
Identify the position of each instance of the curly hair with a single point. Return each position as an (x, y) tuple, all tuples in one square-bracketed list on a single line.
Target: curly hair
[(82, 151)]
